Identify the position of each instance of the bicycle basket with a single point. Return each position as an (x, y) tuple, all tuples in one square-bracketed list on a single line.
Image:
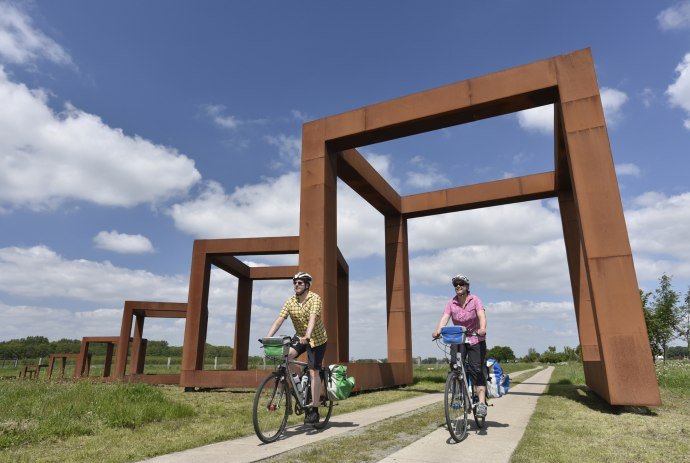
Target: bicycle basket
[(274, 347), (453, 334)]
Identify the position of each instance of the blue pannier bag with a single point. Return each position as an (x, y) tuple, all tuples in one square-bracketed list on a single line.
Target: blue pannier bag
[(453, 334), (495, 379), (505, 383)]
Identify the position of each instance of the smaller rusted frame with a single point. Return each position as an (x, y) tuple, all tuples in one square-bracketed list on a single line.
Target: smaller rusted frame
[(63, 364), (138, 311), (222, 253), (83, 367), (32, 371)]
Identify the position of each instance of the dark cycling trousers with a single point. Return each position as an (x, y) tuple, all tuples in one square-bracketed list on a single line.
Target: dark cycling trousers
[(476, 358)]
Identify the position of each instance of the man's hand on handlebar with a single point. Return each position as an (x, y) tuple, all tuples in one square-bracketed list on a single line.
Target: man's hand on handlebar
[(303, 340)]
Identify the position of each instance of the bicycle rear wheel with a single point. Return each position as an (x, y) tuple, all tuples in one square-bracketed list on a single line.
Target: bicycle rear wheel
[(454, 400), (271, 408), (325, 404)]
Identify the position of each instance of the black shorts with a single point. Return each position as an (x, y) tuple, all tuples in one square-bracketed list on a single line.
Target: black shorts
[(314, 354), (476, 360)]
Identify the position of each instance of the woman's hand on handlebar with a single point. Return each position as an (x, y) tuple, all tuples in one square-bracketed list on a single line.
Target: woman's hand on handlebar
[(436, 334), (303, 340)]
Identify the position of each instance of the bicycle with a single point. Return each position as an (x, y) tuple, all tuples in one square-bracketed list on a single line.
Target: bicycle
[(459, 397), (274, 396)]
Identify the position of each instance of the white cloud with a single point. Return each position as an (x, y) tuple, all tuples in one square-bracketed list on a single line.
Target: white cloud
[(383, 164), (675, 17), (612, 100), (80, 279), (215, 112), (679, 92), (658, 232), (46, 158), (648, 96), (627, 169), (300, 116), (122, 242), (271, 208), (21, 43), (509, 224), (425, 175), (540, 268), (540, 119), (289, 149)]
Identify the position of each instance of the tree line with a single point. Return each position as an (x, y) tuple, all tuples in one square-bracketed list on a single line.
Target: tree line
[(39, 346), (667, 315)]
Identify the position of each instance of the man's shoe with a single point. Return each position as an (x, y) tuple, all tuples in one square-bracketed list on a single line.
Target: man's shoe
[(481, 410), (312, 416)]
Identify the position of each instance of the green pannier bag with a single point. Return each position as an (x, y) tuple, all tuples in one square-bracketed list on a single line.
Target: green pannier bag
[(274, 347), (339, 384)]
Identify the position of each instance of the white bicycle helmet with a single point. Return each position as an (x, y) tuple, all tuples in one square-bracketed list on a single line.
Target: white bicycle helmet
[(460, 278), (304, 276)]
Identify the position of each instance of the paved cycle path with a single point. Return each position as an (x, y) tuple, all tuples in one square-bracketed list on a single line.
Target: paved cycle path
[(505, 425), (250, 449)]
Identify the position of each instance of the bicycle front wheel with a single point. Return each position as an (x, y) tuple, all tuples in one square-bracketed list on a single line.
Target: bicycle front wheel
[(454, 401), (325, 404), (271, 408)]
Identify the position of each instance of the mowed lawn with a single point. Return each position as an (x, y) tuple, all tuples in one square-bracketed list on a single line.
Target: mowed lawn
[(84, 421)]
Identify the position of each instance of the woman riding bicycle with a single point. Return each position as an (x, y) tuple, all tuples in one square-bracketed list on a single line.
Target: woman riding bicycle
[(304, 308), (466, 309)]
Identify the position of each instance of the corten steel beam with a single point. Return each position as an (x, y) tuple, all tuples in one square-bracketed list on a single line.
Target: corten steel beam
[(507, 191), (399, 324), (618, 316), (139, 311), (358, 174), (608, 308), (221, 253), (342, 340), (63, 358), (83, 366)]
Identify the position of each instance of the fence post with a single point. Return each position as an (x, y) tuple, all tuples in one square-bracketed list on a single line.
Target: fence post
[(215, 363), (168, 363)]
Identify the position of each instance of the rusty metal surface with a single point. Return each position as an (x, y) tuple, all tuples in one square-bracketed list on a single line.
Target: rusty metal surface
[(138, 311), (607, 303), (221, 253)]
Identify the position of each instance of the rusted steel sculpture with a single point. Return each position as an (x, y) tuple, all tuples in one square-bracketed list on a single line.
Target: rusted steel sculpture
[(221, 253), (64, 357), (31, 371), (83, 367), (615, 348), (141, 310)]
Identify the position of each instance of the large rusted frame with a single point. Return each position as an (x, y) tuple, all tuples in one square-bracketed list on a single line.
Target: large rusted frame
[(83, 366), (605, 292), (138, 311), (63, 358), (221, 253)]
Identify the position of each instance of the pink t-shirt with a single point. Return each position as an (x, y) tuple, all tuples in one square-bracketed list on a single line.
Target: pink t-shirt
[(466, 316)]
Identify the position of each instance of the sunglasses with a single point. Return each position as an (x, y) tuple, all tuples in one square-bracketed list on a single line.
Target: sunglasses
[(459, 284), (297, 282)]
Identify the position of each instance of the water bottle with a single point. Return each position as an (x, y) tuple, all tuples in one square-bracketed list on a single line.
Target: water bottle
[(296, 379), (305, 379)]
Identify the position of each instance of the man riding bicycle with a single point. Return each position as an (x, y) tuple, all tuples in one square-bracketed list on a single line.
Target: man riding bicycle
[(466, 310), (304, 308)]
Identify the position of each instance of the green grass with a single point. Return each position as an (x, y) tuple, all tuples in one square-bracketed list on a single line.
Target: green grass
[(82, 421), (573, 424), (215, 416)]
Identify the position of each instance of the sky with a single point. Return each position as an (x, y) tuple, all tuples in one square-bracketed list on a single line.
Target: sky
[(129, 129)]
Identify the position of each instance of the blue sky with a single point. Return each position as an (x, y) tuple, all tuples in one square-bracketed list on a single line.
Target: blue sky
[(129, 129)]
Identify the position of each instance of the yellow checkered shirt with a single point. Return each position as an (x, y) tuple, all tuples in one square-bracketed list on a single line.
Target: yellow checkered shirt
[(299, 313)]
